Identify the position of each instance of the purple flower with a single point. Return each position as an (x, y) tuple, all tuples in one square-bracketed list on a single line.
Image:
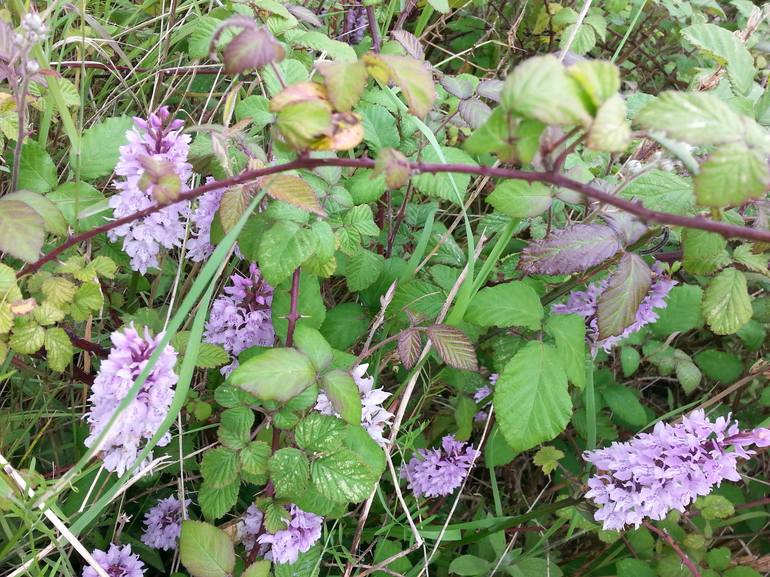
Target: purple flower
[(249, 528), (585, 304), (374, 417), (437, 472), (483, 394), (163, 523), (242, 317), (667, 469), (199, 246), (141, 419), (302, 531), (117, 562), (157, 139)]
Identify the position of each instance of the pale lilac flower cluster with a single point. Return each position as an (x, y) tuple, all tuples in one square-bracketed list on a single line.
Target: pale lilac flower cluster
[(163, 524), (483, 394), (249, 528), (242, 317), (118, 561), (301, 533), (199, 246), (374, 417), (158, 139), (585, 304), (141, 419), (438, 472), (667, 469)]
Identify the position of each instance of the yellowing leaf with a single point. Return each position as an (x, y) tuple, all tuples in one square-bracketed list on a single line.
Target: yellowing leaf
[(295, 93), (345, 81), (346, 132), (294, 190), (410, 75)]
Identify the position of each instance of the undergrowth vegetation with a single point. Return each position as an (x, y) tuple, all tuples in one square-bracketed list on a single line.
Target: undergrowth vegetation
[(387, 288)]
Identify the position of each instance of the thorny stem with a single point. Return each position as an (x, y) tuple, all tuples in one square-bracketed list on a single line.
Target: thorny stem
[(293, 315), (632, 207), (686, 561)]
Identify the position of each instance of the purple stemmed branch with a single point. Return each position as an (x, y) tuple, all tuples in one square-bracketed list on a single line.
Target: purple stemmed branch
[(632, 207), (686, 561)]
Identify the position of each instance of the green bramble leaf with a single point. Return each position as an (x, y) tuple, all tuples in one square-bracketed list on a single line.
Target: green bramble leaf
[(88, 299), (343, 394), (721, 45), (318, 433), (284, 247), (100, 146), (276, 517), (704, 252), (362, 269), (715, 507), (27, 338), (731, 175), (205, 551), (22, 230), (345, 82), (235, 427), (342, 476), (569, 333), (289, 472), (58, 349), (220, 467), (277, 374), (510, 304), (531, 399), (610, 130), (409, 74), (37, 171), (53, 220), (215, 502), (726, 303), (520, 199), (254, 462)]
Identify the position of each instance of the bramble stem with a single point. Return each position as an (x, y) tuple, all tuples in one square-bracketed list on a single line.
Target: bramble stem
[(686, 561), (635, 208)]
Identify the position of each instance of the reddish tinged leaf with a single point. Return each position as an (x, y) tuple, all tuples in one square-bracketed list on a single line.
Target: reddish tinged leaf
[(573, 249), (252, 48), (490, 89), (304, 14), (617, 306), (454, 348), (294, 93), (394, 165), (457, 86), (409, 343), (474, 112), (410, 42), (294, 190)]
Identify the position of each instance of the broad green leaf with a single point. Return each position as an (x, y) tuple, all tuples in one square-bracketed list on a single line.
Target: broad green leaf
[(310, 306), (283, 248), (380, 128), (53, 220), (276, 374), (534, 567), (340, 51), (540, 88), (216, 502), (693, 117), (454, 347), (259, 568), (721, 45), (726, 303), (311, 342), (211, 356), (688, 375), (342, 476), (37, 172), (345, 324), (362, 219), (59, 290), (360, 441), (22, 230), (58, 349), (440, 185), (100, 146), (715, 507), (569, 333), (662, 191), (469, 566), (682, 313), (362, 269), (220, 467), (205, 551), (254, 461), (511, 304), (82, 205), (704, 252), (617, 305), (520, 199), (27, 338), (731, 175), (635, 568), (276, 517), (610, 131), (625, 404), (289, 471), (88, 299), (755, 262), (318, 433), (345, 82), (531, 400), (365, 187), (235, 427), (409, 74), (599, 79), (719, 365), (9, 288), (441, 6), (343, 394), (255, 107)]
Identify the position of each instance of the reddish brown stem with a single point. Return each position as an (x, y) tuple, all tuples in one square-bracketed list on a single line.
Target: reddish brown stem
[(686, 561), (373, 28), (632, 207), (293, 315)]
